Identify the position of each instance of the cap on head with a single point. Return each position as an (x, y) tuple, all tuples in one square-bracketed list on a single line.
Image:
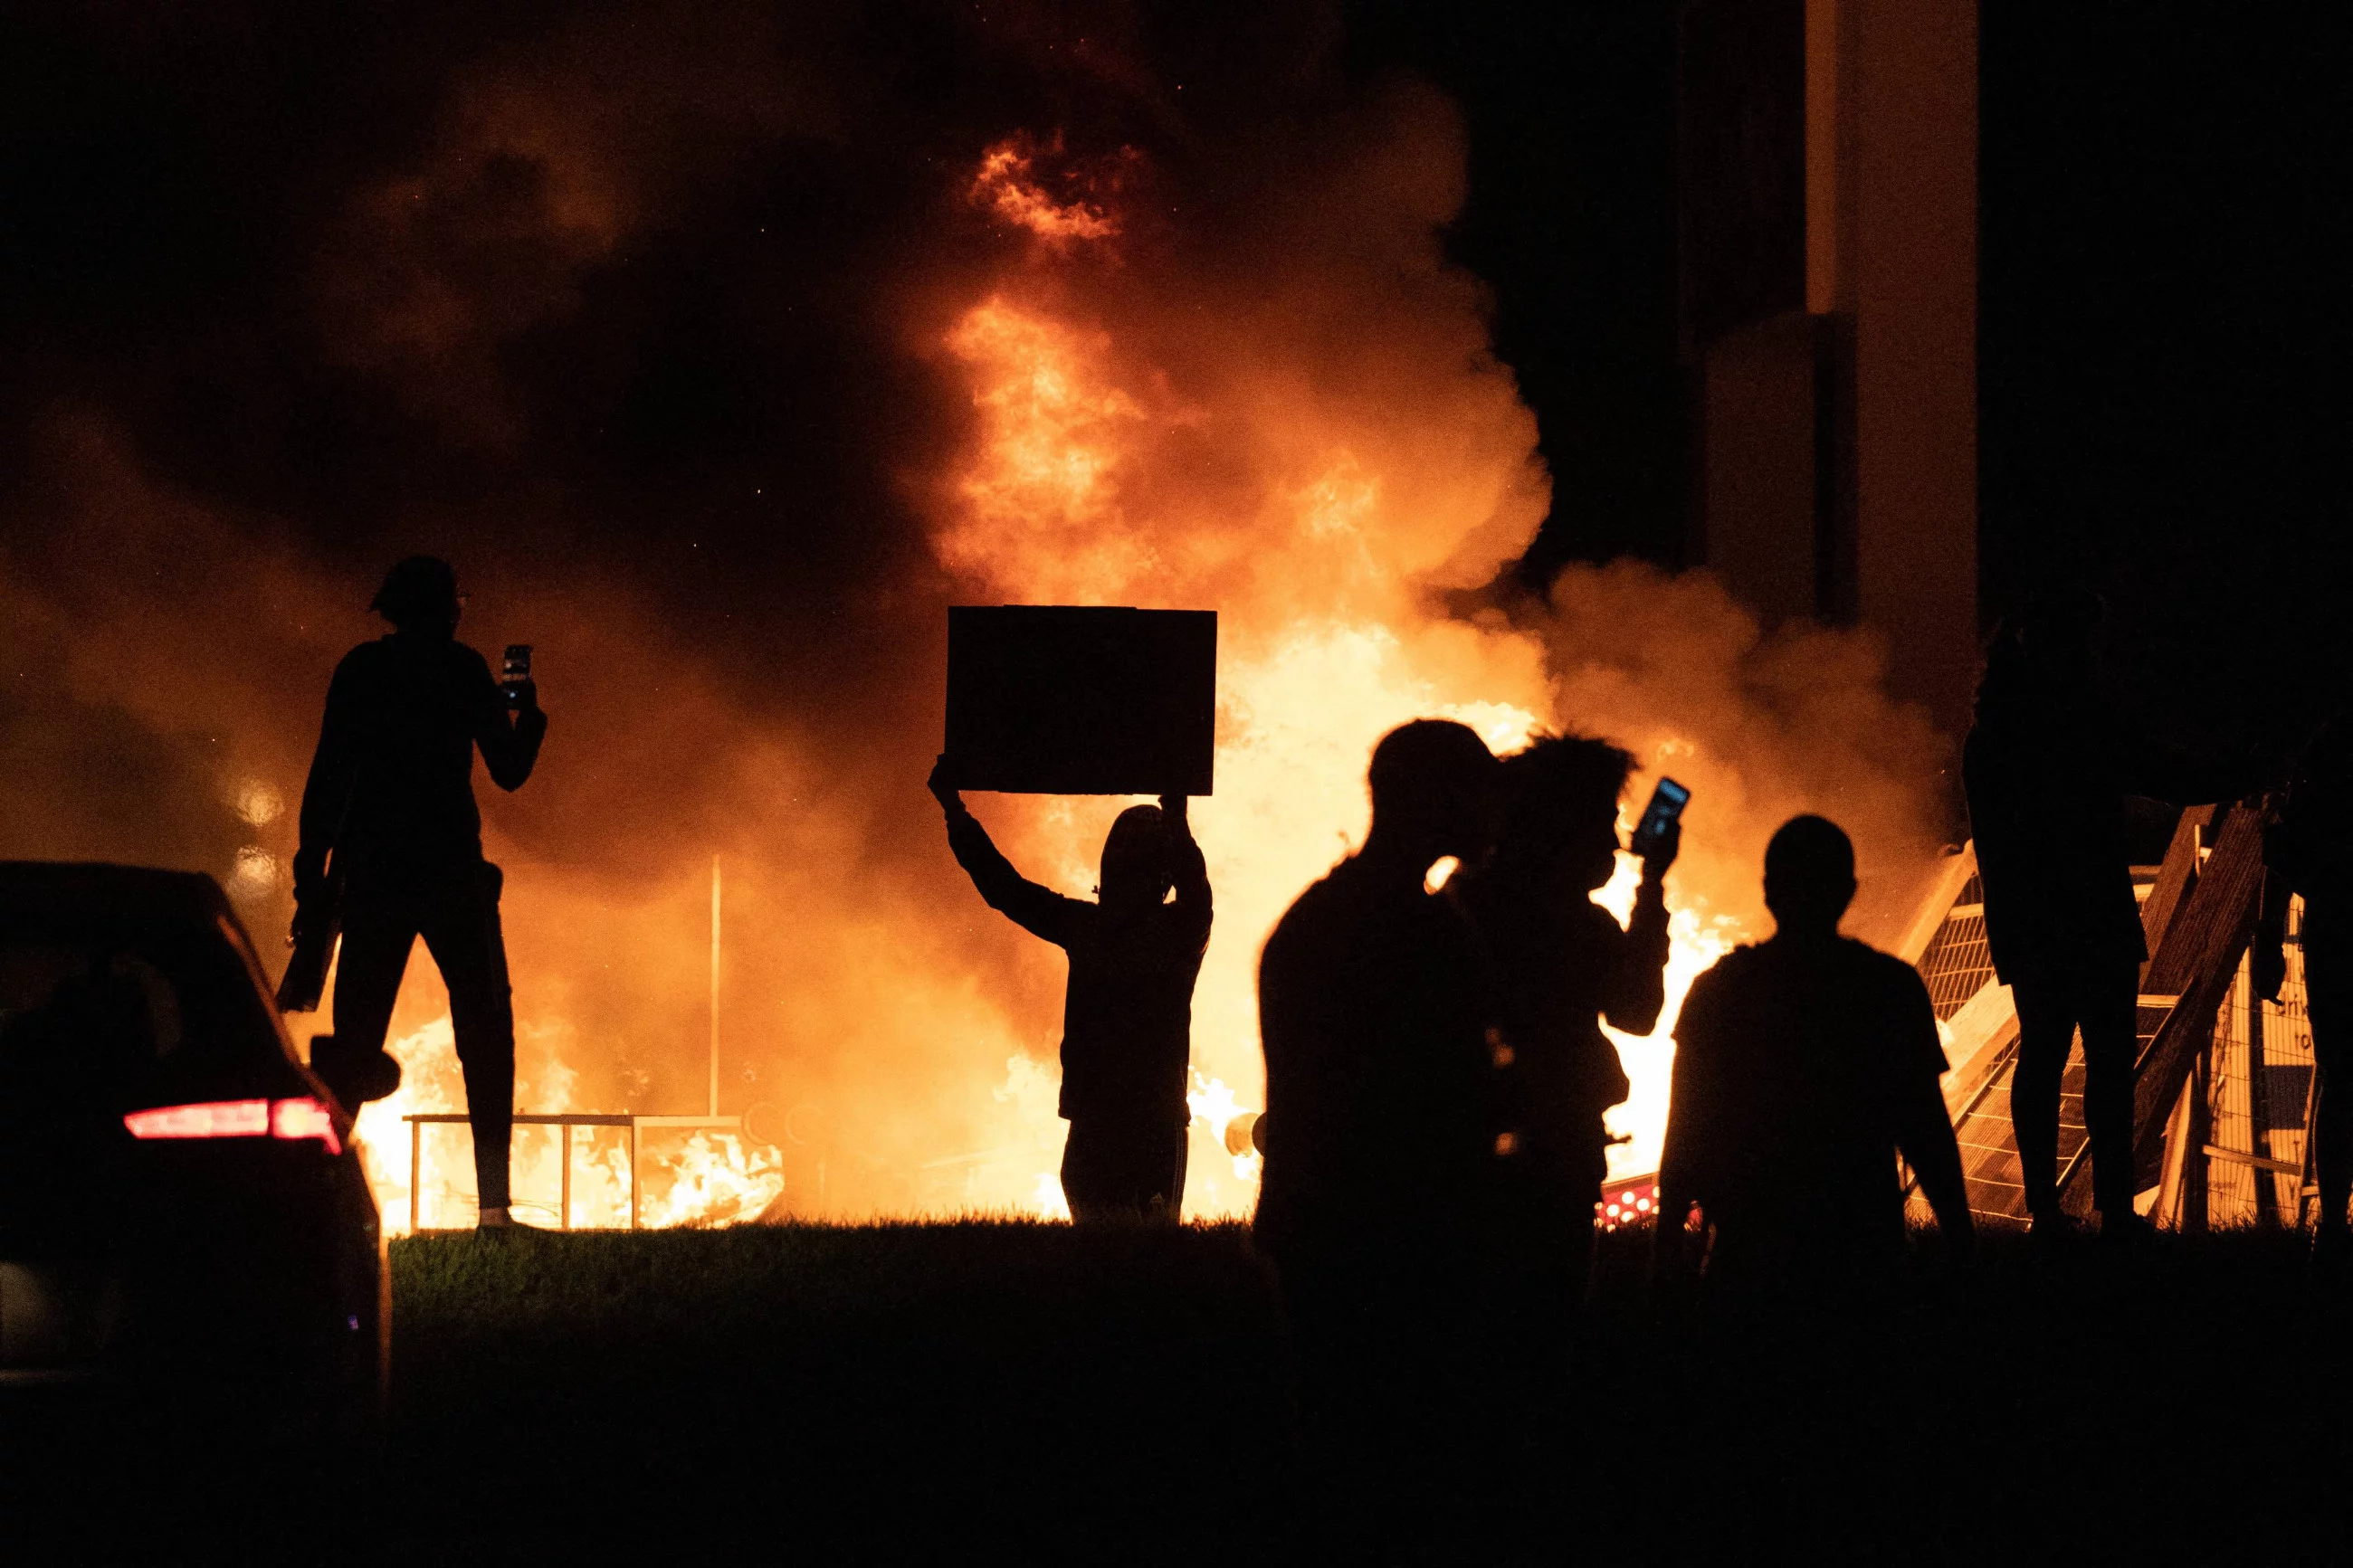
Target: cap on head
[(1435, 778), (421, 592), (1809, 873)]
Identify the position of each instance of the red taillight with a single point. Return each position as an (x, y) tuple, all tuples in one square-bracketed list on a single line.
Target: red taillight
[(304, 1118), (220, 1119)]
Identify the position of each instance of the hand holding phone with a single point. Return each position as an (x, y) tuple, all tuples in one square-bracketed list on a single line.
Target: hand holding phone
[(515, 683), (1659, 835)]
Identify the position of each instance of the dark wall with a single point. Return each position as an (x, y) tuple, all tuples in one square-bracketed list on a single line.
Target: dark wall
[(2160, 335), (1571, 220)]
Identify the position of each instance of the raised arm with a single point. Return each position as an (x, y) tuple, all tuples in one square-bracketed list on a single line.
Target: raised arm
[(1638, 981), (1190, 870), (1041, 911), (508, 741)]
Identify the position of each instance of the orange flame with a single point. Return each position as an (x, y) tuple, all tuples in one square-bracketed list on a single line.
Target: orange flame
[(1010, 184), (1061, 502)]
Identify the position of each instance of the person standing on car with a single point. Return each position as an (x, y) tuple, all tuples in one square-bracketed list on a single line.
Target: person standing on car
[(1127, 1015), (389, 811)]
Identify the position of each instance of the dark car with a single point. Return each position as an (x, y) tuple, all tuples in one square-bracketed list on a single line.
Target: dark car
[(185, 1230)]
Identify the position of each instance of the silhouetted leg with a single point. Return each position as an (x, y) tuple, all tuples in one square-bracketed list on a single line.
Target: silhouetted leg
[(461, 929), (2326, 979), (2109, 1009), (1091, 1183), (2046, 1031), (1171, 1186), (1121, 1166), (378, 931)]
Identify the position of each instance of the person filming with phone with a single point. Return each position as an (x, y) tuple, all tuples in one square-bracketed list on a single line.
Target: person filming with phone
[(392, 843), (1557, 964)]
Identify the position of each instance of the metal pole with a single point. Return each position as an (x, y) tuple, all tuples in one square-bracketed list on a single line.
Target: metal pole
[(633, 1173), (416, 1169), (563, 1130), (714, 985)]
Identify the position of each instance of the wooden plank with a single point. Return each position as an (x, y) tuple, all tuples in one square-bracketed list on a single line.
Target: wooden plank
[(2216, 1151), (2198, 961), (2175, 875), (1945, 884), (1980, 1032)]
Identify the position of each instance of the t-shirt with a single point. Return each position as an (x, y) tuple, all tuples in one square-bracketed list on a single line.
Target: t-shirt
[(1376, 1068), (1795, 1060), (2047, 813), (394, 775)]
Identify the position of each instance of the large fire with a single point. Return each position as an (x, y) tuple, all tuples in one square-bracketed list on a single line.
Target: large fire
[(1304, 431), (1327, 525), (1327, 640)]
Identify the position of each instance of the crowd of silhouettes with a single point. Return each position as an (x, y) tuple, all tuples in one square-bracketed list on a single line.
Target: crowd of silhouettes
[(1436, 1084), (1438, 1078)]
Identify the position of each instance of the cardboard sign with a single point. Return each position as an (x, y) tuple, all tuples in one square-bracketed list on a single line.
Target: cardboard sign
[(1060, 700)]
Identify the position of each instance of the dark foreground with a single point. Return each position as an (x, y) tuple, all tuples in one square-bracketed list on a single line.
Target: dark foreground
[(971, 1390)]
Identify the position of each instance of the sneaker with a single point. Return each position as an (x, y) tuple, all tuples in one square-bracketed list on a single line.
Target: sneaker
[(500, 1219)]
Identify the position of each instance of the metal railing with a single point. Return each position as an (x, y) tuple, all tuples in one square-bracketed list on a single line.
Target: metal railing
[(567, 1121)]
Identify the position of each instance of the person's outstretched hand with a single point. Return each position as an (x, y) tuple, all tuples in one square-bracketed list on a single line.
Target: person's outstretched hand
[(1662, 853), (943, 789), (523, 696)]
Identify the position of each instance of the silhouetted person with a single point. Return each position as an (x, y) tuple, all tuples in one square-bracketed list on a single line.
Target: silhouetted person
[(1556, 963), (2047, 768), (1127, 1013), (2308, 850), (391, 800), (1803, 1066), (1377, 1143)]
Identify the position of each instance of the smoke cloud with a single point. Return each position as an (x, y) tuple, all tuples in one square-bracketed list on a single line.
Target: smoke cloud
[(721, 349)]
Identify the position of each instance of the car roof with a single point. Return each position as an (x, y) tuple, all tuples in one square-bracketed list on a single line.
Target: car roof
[(94, 890), (91, 895)]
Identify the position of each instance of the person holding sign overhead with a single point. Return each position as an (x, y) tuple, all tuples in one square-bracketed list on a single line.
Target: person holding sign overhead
[(1127, 1015), (1099, 700)]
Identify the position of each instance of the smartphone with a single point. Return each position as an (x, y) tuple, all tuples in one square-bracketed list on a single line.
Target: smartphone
[(1667, 803), (516, 667)]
